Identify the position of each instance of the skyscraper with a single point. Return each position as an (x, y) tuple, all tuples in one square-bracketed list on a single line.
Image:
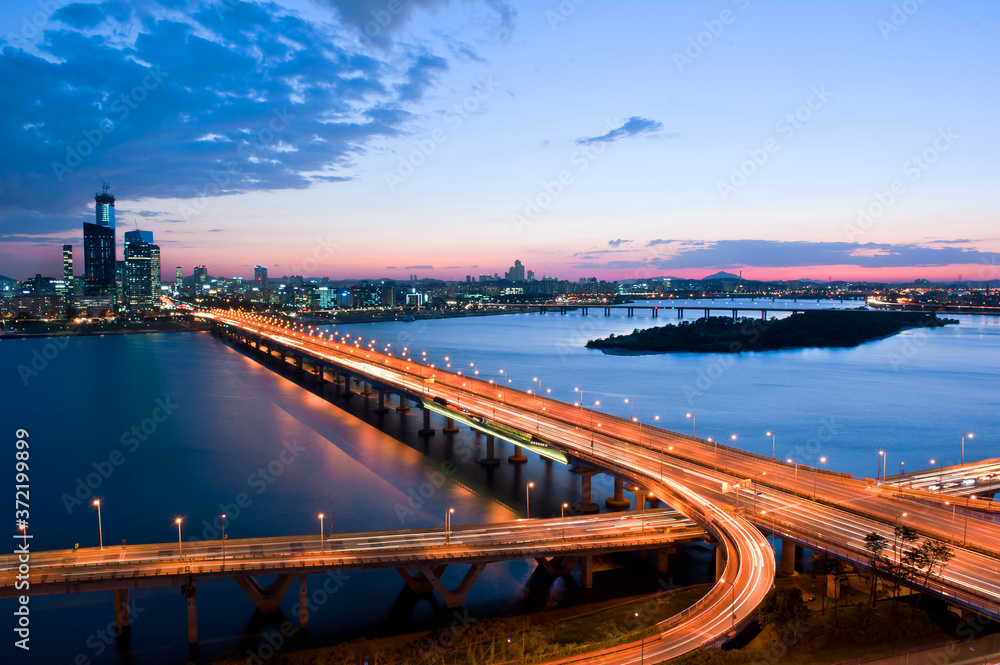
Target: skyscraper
[(99, 248), (200, 275), (68, 263), (516, 272), (179, 277), (142, 268), (260, 276)]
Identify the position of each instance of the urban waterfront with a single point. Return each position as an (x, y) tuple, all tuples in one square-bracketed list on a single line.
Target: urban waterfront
[(231, 417)]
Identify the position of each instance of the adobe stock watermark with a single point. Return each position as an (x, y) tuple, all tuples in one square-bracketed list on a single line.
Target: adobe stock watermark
[(562, 12), (220, 180), (322, 251), (122, 106), (454, 117), (418, 496), (549, 192), (913, 170), (900, 16), (130, 441), (32, 25), (786, 127), (704, 39)]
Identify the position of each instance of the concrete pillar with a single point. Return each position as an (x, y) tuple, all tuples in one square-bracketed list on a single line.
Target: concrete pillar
[(663, 558), (587, 572), (346, 392), (618, 501), (426, 431), (192, 611), (832, 586), (122, 617), (788, 550), (319, 374), (303, 603), (298, 362), (586, 505), (367, 391), (449, 426), (518, 457), (402, 408), (490, 459), (653, 502), (381, 402), (720, 561)]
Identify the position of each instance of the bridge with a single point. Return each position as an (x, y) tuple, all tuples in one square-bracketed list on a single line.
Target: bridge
[(421, 556), (976, 479), (804, 506), (630, 309)]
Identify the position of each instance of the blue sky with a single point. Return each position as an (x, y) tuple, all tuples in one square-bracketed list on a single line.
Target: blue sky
[(352, 139)]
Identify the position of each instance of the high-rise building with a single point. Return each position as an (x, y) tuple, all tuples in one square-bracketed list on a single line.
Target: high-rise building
[(179, 276), (142, 267), (200, 275), (516, 272), (260, 276), (68, 263), (99, 248)]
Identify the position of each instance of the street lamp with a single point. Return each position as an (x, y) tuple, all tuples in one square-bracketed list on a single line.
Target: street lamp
[(795, 487), (895, 534), (100, 529), (180, 546), (969, 435), (879, 462), (527, 499), (629, 402), (940, 474), (754, 490), (223, 539), (771, 434), (321, 545), (642, 644), (953, 507), (733, 588), (562, 516), (821, 460), (447, 525), (641, 498), (693, 425)]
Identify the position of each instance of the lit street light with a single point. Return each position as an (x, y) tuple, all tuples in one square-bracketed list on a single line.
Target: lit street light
[(969, 435), (447, 525), (694, 425), (821, 460), (223, 539), (321, 544), (642, 644), (180, 546), (100, 529), (795, 487), (562, 516), (527, 499), (771, 434)]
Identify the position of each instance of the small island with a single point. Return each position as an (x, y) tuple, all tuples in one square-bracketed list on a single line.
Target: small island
[(825, 328)]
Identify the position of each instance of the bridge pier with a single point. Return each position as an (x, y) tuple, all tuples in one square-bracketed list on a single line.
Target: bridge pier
[(618, 501), (366, 392), (381, 402), (680, 312), (266, 598), (303, 603), (189, 590), (663, 558), (320, 379), (346, 391), (518, 457), (788, 552), (449, 426), (428, 578), (587, 571), (123, 619), (426, 430), (298, 362), (402, 408), (586, 505), (490, 459)]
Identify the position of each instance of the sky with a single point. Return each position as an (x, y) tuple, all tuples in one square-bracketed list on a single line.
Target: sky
[(384, 138)]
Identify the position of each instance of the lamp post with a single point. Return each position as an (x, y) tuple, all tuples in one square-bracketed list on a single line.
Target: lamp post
[(321, 545), (795, 487), (895, 532), (180, 546), (940, 474), (754, 490), (527, 500), (562, 516), (733, 589), (694, 425), (447, 524), (953, 507), (100, 529), (771, 434), (223, 539), (642, 645), (630, 411), (821, 460), (642, 499), (969, 435)]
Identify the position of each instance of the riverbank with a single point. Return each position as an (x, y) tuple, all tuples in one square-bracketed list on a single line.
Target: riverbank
[(30, 329), (824, 328)]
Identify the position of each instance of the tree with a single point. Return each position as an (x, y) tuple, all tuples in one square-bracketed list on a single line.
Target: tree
[(929, 555), (826, 566), (902, 570), (782, 606), (875, 545)]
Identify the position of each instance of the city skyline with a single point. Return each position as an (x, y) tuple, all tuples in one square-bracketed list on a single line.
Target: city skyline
[(853, 142)]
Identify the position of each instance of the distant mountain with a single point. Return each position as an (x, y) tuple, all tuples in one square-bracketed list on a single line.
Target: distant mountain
[(4, 278), (720, 275), (812, 281)]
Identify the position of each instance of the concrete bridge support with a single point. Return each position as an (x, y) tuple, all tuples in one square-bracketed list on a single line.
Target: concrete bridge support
[(428, 578), (557, 565), (518, 457), (298, 362), (587, 572), (303, 603), (402, 408), (366, 392), (788, 551), (346, 392), (663, 558), (266, 598), (586, 505), (449, 426), (491, 458), (427, 430), (381, 403), (320, 379), (189, 591), (123, 619), (618, 501)]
